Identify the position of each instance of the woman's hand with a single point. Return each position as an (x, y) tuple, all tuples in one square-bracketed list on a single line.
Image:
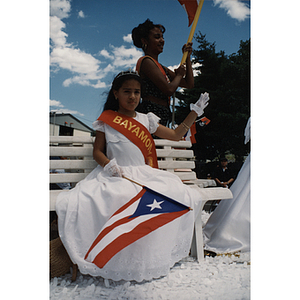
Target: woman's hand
[(180, 71), (187, 48)]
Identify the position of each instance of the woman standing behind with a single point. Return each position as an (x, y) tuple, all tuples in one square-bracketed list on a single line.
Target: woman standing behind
[(159, 82)]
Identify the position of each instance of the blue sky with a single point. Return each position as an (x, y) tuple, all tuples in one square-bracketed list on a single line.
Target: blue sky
[(90, 42)]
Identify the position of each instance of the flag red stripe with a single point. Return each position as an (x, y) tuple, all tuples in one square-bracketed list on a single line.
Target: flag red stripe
[(106, 230), (117, 223), (139, 195), (138, 232)]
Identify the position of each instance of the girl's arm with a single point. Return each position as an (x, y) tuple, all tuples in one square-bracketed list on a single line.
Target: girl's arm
[(197, 110), (176, 134), (99, 148)]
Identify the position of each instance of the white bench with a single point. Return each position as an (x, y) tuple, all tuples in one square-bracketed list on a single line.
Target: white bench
[(172, 156)]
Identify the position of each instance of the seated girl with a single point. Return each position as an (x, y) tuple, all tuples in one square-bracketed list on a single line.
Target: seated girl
[(125, 152)]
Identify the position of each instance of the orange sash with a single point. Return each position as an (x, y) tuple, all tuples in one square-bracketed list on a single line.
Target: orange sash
[(139, 62), (135, 132)]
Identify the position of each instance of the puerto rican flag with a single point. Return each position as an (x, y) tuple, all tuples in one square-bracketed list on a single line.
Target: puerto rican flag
[(190, 135), (144, 213), (190, 7)]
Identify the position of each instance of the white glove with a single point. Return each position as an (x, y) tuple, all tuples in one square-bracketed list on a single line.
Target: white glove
[(199, 106), (113, 169)]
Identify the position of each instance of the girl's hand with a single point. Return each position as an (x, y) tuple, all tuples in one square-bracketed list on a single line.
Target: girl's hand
[(187, 48), (200, 105), (113, 169)]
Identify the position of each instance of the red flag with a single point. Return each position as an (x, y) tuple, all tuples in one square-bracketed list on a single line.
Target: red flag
[(144, 213), (204, 121), (190, 7), (190, 135)]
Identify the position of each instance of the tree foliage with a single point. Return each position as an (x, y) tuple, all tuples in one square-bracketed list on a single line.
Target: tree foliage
[(227, 80)]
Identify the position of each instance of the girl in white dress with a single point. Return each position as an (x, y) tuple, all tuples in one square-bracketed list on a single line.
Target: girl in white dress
[(84, 210)]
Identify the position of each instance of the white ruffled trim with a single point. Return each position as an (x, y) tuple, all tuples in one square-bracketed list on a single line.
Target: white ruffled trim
[(153, 122), (98, 125)]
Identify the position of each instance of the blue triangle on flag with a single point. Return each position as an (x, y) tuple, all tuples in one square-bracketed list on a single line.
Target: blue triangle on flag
[(155, 203)]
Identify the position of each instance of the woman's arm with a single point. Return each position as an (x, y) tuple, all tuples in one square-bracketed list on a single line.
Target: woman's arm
[(99, 148), (150, 69), (188, 80)]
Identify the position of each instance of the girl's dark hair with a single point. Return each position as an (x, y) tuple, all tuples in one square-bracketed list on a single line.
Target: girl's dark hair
[(111, 102), (143, 30)]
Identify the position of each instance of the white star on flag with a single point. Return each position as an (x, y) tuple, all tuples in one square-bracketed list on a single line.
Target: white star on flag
[(155, 204)]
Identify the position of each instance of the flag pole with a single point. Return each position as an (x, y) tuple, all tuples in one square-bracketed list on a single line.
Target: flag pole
[(132, 181), (193, 28)]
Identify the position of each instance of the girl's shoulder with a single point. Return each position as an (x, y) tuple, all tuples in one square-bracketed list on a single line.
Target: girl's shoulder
[(99, 125), (149, 120)]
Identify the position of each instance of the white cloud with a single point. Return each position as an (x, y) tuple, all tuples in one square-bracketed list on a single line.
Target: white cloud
[(55, 103), (85, 68), (127, 38), (67, 111), (64, 110), (60, 8), (74, 60), (57, 36), (84, 80), (106, 54), (235, 8), (81, 14), (196, 72), (125, 57)]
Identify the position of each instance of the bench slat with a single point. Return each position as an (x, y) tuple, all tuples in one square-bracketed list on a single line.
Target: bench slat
[(53, 196), (70, 164), (73, 164), (176, 164), (75, 177), (90, 140), (175, 144), (67, 177), (86, 151), (202, 183), (175, 153), (186, 175), (71, 151), (72, 139)]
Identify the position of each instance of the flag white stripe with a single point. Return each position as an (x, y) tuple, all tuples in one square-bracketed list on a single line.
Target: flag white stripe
[(127, 212), (115, 233)]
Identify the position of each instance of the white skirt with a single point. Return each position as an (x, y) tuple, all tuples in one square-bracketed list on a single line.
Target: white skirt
[(83, 211)]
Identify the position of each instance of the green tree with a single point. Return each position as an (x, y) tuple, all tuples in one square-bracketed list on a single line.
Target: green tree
[(227, 80)]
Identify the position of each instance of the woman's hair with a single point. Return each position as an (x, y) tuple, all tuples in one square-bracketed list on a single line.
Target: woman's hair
[(111, 102), (143, 30)]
